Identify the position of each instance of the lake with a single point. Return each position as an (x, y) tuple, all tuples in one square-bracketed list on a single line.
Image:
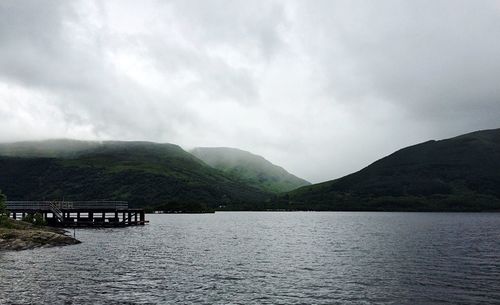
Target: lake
[(268, 258)]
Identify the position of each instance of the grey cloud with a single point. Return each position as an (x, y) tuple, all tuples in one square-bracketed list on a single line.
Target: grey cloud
[(30, 33), (39, 51), (252, 26), (438, 59), (322, 88), (212, 76)]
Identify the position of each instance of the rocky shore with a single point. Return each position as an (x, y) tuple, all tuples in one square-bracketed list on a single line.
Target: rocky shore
[(17, 235)]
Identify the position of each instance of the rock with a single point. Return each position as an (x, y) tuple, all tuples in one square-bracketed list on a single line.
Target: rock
[(14, 239)]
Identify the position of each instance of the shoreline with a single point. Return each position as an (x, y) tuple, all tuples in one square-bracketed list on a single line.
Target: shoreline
[(18, 235)]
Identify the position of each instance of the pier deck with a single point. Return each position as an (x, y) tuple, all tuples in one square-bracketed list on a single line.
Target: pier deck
[(79, 213)]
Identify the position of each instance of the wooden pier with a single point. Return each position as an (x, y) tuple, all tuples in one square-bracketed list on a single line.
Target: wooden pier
[(79, 213)]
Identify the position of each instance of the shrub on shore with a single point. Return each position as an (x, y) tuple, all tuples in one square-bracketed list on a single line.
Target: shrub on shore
[(3, 210), (35, 219)]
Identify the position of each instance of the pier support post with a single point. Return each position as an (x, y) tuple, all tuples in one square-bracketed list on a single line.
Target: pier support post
[(78, 214)]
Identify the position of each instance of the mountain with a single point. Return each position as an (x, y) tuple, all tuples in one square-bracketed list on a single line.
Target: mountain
[(143, 173), (457, 174), (251, 169)]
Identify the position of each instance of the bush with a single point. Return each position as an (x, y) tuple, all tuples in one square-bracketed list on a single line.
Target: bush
[(38, 220), (3, 210), (35, 219), (3, 220), (28, 218)]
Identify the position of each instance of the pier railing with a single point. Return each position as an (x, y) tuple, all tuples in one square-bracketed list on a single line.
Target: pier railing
[(66, 205)]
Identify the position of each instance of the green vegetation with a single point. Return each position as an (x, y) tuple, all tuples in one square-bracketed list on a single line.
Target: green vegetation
[(3, 211), (458, 174), (2, 204), (250, 169), (35, 219), (142, 173)]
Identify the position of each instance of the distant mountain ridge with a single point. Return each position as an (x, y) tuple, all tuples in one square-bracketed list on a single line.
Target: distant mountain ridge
[(249, 168), (143, 173), (456, 174), (461, 173)]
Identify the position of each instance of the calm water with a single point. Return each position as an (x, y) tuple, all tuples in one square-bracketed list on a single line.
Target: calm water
[(268, 258)]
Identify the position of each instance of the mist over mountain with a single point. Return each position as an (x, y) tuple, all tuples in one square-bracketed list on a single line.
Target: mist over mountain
[(456, 174), (461, 173), (143, 173), (252, 169), (48, 148)]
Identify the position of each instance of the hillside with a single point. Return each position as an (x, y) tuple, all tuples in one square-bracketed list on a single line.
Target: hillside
[(461, 173), (251, 169), (143, 173)]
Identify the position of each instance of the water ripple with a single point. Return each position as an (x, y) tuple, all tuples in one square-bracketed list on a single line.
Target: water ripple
[(268, 258)]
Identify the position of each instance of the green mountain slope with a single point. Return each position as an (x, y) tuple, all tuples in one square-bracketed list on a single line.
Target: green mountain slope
[(461, 173), (143, 173), (251, 169)]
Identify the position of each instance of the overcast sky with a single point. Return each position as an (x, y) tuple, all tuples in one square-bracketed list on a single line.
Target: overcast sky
[(322, 88)]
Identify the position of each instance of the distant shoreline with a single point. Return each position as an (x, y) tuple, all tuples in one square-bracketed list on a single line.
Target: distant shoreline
[(326, 211)]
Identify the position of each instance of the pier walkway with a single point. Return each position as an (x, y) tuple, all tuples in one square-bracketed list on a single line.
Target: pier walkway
[(79, 213)]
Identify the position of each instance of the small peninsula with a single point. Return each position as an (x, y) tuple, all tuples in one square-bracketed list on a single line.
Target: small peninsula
[(19, 235)]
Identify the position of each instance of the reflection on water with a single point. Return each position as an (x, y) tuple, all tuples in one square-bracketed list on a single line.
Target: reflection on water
[(268, 258)]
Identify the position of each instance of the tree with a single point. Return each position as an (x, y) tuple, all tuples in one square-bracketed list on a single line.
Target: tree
[(3, 210), (2, 204)]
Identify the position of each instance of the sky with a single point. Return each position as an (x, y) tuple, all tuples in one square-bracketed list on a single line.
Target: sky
[(322, 88)]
